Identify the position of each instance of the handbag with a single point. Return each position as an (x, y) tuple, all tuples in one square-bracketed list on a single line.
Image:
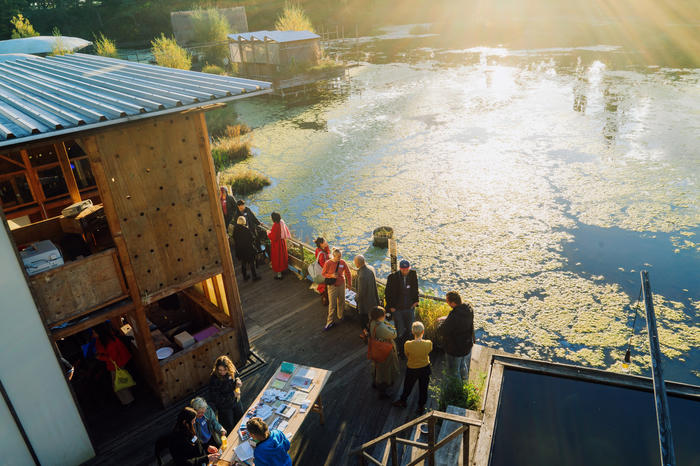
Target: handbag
[(122, 378), (331, 281), (316, 273), (378, 350)]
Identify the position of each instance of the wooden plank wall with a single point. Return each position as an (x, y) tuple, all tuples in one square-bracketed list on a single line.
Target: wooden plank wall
[(161, 198), (189, 370), (79, 286)]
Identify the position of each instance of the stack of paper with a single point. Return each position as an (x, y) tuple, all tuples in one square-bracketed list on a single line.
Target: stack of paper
[(244, 451), (302, 383)]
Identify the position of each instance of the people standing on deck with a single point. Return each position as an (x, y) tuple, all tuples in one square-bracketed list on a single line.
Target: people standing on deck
[(245, 249), (457, 332), (207, 427), (271, 446), (278, 245), (384, 373), (402, 299), (250, 219), (225, 392), (367, 296), (228, 205), (323, 254), (336, 273), (417, 353), (185, 446)]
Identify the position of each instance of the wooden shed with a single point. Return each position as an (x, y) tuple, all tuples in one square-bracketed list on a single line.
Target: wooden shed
[(133, 139)]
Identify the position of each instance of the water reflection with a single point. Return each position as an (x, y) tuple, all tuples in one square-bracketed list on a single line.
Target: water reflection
[(500, 170)]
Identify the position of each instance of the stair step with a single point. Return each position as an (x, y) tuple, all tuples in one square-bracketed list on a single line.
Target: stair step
[(450, 454)]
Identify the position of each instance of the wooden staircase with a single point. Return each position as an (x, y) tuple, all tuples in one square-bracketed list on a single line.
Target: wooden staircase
[(451, 446)]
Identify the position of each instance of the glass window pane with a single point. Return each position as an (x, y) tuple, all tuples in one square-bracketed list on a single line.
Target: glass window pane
[(52, 181), (42, 156), (74, 150), (15, 191), (83, 173)]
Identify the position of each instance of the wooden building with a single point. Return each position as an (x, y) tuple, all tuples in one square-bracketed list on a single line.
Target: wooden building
[(133, 139)]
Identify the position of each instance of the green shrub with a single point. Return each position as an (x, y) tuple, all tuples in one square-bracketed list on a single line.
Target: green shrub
[(22, 27), (105, 47), (450, 390), (293, 18), (211, 26), (213, 69), (429, 311), (227, 151), (244, 181), (167, 53)]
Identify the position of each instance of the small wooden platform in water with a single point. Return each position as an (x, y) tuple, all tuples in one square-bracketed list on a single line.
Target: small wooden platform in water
[(285, 319)]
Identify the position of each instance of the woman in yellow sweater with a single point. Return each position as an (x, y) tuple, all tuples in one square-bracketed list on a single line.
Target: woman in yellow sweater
[(417, 353)]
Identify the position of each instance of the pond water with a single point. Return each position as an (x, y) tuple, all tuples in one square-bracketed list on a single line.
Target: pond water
[(538, 182)]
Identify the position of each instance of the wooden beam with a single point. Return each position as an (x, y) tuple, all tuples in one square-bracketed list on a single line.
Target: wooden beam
[(493, 396), (137, 316), (228, 275), (4, 157), (412, 443), (34, 185), (203, 302), (94, 319), (68, 175), (367, 456)]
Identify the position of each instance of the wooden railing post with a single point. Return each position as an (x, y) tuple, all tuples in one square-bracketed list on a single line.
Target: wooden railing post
[(394, 451), (431, 441), (465, 446), (393, 254)]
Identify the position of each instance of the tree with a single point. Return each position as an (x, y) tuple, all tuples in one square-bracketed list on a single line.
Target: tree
[(167, 53), (210, 26), (105, 47), (293, 18), (22, 27)]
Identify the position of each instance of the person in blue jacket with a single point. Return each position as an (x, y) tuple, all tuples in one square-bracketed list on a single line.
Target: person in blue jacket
[(271, 445)]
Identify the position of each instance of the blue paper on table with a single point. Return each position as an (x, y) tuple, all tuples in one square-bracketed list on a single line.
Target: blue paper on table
[(287, 367), (303, 383)]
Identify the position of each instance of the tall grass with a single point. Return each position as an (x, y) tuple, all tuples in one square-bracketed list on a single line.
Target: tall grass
[(167, 53), (228, 150), (59, 47), (213, 69), (429, 311), (293, 18), (244, 181), (105, 47)]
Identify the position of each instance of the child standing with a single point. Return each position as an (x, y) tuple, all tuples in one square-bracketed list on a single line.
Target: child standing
[(417, 353), (271, 446)]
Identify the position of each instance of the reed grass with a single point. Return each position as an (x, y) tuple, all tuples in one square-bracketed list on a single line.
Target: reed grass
[(244, 181)]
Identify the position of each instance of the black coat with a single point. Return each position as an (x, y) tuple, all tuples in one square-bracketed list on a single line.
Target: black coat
[(252, 221), (184, 452), (222, 391), (243, 238), (457, 331), (231, 209), (394, 282)]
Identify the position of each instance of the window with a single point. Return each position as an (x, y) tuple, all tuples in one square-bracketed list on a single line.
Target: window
[(14, 190), (42, 156), (82, 172), (52, 182)]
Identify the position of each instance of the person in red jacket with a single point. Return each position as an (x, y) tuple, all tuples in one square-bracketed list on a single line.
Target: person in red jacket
[(336, 269), (112, 351), (278, 245), (323, 254)]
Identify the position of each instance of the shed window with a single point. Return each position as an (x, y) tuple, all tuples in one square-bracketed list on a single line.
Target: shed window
[(42, 156), (14, 190), (52, 182)]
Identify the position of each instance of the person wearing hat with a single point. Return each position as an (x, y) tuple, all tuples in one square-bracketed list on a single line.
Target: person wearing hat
[(402, 299)]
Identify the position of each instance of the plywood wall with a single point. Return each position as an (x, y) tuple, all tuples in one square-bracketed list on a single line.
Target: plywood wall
[(158, 187)]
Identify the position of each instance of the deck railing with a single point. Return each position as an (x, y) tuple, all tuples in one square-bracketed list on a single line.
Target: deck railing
[(431, 418)]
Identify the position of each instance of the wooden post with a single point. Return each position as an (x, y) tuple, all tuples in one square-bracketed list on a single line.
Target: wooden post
[(137, 317), (393, 255), (465, 447), (431, 441), (228, 274), (68, 175), (394, 451), (34, 185)]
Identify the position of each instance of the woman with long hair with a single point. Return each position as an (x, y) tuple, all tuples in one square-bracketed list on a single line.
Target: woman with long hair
[(278, 234), (184, 445), (323, 253), (384, 373), (225, 392)]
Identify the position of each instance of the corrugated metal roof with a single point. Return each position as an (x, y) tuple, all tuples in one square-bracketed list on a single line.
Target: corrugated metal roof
[(277, 36), (48, 96)]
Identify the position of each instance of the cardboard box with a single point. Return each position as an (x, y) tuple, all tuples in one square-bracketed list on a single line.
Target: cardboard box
[(184, 340)]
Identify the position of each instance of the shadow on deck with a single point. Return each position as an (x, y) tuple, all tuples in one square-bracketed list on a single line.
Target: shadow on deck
[(284, 321)]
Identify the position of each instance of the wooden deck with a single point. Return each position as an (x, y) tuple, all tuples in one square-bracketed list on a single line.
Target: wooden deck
[(284, 321)]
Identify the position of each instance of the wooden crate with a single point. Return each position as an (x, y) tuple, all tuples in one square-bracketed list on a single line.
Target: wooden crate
[(79, 287), (154, 172), (190, 369)]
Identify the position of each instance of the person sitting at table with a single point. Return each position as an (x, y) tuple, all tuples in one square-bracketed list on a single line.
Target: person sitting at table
[(225, 391), (271, 446), (184, 445), (207, 426)]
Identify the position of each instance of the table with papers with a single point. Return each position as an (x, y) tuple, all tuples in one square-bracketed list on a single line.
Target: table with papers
[(288, 397)]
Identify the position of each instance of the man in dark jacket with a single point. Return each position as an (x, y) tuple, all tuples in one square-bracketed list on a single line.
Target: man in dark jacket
[(457, 332), (402, 299), (366, 286)]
